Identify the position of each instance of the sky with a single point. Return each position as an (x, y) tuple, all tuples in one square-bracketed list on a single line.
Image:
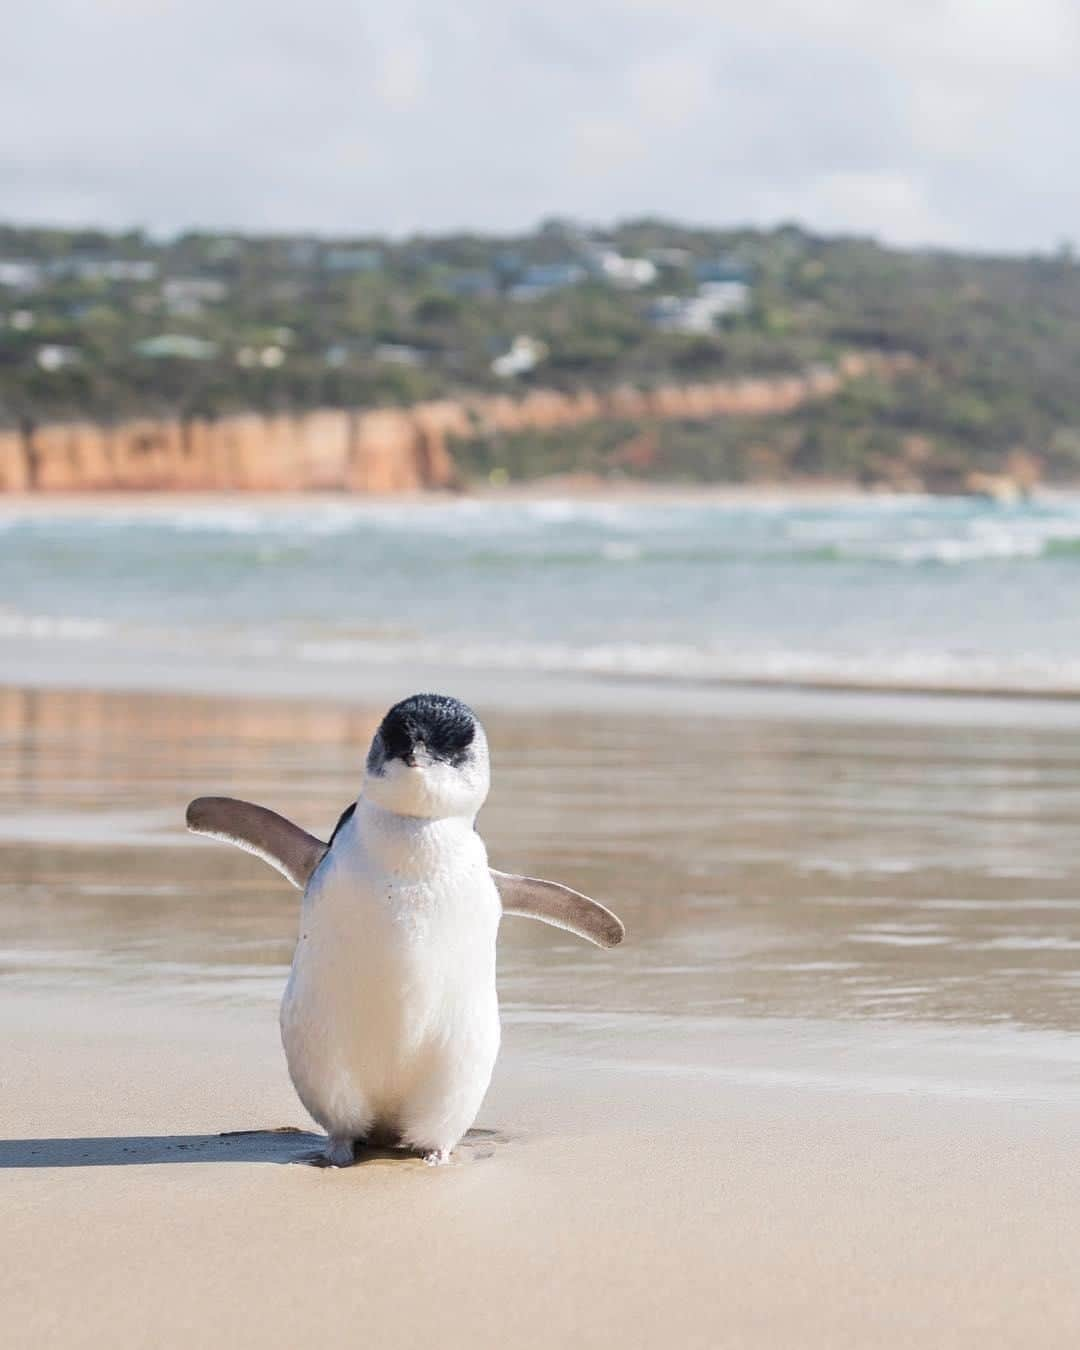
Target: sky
[(921, 122)]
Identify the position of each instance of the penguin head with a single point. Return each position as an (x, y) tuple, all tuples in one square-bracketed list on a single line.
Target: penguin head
[(429, 758)]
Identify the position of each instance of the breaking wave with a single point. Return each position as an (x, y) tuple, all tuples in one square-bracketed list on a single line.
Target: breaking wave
[(888, 593)]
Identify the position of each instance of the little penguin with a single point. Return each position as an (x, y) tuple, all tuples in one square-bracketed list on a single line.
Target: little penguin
[(390, 1018)]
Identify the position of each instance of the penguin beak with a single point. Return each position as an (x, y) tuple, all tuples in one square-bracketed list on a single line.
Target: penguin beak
[(415, 756)]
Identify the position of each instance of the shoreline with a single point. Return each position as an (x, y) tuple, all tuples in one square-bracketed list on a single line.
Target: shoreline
[(826, 493), (33, 663), (574, 488)]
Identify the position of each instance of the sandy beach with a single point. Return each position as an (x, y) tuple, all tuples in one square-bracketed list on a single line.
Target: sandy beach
[(827, 1094), (599, 1205)]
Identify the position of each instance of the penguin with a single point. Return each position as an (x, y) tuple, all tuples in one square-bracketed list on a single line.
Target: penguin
[(390, 1018)]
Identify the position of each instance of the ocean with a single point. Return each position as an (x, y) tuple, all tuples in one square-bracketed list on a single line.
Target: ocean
[(878, 592)]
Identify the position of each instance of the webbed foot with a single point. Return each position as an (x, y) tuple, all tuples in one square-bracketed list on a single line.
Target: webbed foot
[(315, 1157), (340, 1152)]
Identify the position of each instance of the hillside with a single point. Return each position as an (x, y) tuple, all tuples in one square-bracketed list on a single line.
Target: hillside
[(106, 328)]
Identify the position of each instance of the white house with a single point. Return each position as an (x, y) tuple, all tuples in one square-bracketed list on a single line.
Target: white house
[(725, 297), (525, 354), (187, 295), (698, 313), (52, 357), (626, 273), (20, 274)]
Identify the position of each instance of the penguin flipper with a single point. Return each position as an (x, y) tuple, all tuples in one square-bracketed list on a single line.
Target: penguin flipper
[(258, 830), (552, 903)]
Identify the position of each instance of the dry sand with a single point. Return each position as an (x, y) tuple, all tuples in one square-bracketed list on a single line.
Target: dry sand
[(628, 1206)]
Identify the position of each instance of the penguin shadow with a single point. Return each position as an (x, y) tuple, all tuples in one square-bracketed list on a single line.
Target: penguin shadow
[(285, 1144)]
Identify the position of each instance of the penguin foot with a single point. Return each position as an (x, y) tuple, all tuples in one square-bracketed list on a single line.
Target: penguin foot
[(340, 1152), (315, 1157), (437, 1157)]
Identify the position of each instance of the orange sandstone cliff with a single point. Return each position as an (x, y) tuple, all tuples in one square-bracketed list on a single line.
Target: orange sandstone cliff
[(378, 450)]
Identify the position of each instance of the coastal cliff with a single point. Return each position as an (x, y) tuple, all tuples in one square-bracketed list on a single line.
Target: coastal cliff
[(380, 450)]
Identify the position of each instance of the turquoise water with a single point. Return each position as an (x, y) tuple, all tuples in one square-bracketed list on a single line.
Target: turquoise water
[(901, 591)]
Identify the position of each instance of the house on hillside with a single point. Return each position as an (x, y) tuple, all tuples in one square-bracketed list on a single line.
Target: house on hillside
[(608, 264), (176, 347), (20, 274), (697, 313), (475, 284), (400, 354), (525, 353), (724, 297), (724, 290), (103, 269), (53, 357), (269, 357), (727, 281), (342, 261), (186, 296), (673, 258), (302, 252), (542, 279), (680, 314), (726, 268)]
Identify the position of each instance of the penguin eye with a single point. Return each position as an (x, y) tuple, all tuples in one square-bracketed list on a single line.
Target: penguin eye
[(399, 736), (450, 740), (376, 759)]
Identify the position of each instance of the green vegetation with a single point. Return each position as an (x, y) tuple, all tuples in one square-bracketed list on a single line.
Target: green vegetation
[(109, 326)]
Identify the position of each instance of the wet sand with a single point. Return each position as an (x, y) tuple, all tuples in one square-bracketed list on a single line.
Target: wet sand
[(827, 1094)]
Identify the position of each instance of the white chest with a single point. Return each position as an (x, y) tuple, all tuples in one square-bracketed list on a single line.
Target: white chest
[(391, 1016), (397, 931)]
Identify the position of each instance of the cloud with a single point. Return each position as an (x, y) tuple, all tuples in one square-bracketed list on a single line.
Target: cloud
[(939, 121)]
